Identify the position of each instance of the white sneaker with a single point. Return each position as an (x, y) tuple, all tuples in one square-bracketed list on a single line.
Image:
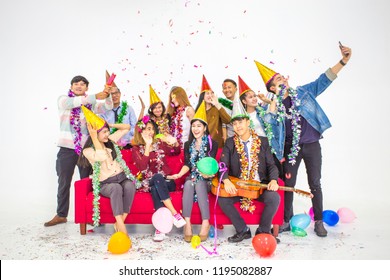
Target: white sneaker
[(158, 236), (178, 220)]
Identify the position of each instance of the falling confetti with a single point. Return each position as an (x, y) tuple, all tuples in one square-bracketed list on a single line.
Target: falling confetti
[(271, 62), (226, 66), (170, 23), (45, 108), (196, 66)]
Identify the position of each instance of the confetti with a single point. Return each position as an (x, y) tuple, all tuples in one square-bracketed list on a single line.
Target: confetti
[(226, 66), (288, 175), (170, 23), (271, 62), (45, 108), (196, 66)]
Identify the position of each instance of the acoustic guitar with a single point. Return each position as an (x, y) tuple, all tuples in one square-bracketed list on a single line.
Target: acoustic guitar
[(250, 188)]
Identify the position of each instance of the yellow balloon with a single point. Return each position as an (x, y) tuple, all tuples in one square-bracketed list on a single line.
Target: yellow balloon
[(119, 243), (195, 241)]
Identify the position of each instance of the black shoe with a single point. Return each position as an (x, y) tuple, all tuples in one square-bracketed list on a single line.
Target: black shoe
[(258, 232), (238, 237), (319, 229), (283, 228)]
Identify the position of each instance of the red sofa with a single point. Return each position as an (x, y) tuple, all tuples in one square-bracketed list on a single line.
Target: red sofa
[(142, 208)]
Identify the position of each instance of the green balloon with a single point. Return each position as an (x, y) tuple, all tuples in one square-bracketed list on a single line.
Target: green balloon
[(207, 166), (298, 232)]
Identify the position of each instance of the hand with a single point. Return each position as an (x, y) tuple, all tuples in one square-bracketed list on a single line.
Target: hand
[(170, 140), (92, 131), (207, 176), (273, 185), (142, 102), (346, 53), (174, 176), (264, 98), (147, 138), (229, 187)]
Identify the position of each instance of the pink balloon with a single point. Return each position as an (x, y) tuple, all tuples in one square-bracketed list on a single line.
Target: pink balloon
[(311, 213), (346, 215), (162, 220)]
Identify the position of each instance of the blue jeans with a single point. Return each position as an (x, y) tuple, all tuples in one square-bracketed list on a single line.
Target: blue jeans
[(160, 188)]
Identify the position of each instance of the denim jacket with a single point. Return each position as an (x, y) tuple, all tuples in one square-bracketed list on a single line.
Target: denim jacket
[(308, 108)]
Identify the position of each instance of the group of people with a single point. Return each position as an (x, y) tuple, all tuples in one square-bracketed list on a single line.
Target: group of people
[(262, 140)]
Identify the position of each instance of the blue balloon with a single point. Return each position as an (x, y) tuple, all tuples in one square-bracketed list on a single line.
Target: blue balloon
[(330, 217), (301, 221)]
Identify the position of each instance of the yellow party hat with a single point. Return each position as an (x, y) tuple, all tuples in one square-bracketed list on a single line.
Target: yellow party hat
[(153, 96), (97, 122), (266, 73), (201, 113)]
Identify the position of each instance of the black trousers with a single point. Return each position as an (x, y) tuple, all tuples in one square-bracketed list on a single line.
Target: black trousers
[(311, 155), (65, 165)]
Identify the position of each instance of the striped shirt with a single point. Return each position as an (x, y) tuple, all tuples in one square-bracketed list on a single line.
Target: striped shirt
[(65, 106)]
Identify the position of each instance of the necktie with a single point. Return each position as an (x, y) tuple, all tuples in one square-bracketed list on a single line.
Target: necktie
[(246, 149), (116, 114)]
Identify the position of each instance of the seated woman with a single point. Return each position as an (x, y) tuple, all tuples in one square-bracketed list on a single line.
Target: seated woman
[(149, 157), (198, 146), (111, 176)]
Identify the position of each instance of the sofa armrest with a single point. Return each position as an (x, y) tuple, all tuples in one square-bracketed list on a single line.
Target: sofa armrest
[(81, 188)]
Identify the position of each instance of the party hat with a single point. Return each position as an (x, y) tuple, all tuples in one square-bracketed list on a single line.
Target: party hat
[(108, 77), (243, 87), (201, 113), (266, 73), (205, 85), (153, 96), (97, 122), (238, 110)]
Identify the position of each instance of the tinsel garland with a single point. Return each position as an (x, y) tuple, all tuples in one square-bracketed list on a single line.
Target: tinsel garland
[(194, 155), (226, 103), (76, 124), (267, 126), (162, 124), (177, 125), (96, 183), (121, 115), (295, 119), (246, 174)]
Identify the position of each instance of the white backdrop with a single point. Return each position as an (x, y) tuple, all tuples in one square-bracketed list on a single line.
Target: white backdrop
[(164, 43)]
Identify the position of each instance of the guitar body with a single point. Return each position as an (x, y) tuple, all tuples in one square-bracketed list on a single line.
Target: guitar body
[(249, 191), (250, 188)]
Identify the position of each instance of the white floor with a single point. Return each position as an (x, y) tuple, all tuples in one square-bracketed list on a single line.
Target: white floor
[(30, 240)]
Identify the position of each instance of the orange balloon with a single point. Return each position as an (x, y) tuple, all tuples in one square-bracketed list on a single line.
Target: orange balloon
[(119, 243), (264, 244)]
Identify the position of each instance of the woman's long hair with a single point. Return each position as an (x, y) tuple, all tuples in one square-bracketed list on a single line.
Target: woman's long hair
[(201, 98), (181, 97), (138, 139), (84, 162)]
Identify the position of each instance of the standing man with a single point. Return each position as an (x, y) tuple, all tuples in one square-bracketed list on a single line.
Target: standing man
[(73, 134), (248, 156), (120, 113), (229, 89), (303, 122)]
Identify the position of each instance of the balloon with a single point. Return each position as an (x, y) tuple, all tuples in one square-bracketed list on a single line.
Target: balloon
[(207, 166), (330, 217), (211, 232), (119, 243), (301, 221), (162, 220), (195, 241), (311, 213), (298, 232), (264, 244), (346, 215)]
